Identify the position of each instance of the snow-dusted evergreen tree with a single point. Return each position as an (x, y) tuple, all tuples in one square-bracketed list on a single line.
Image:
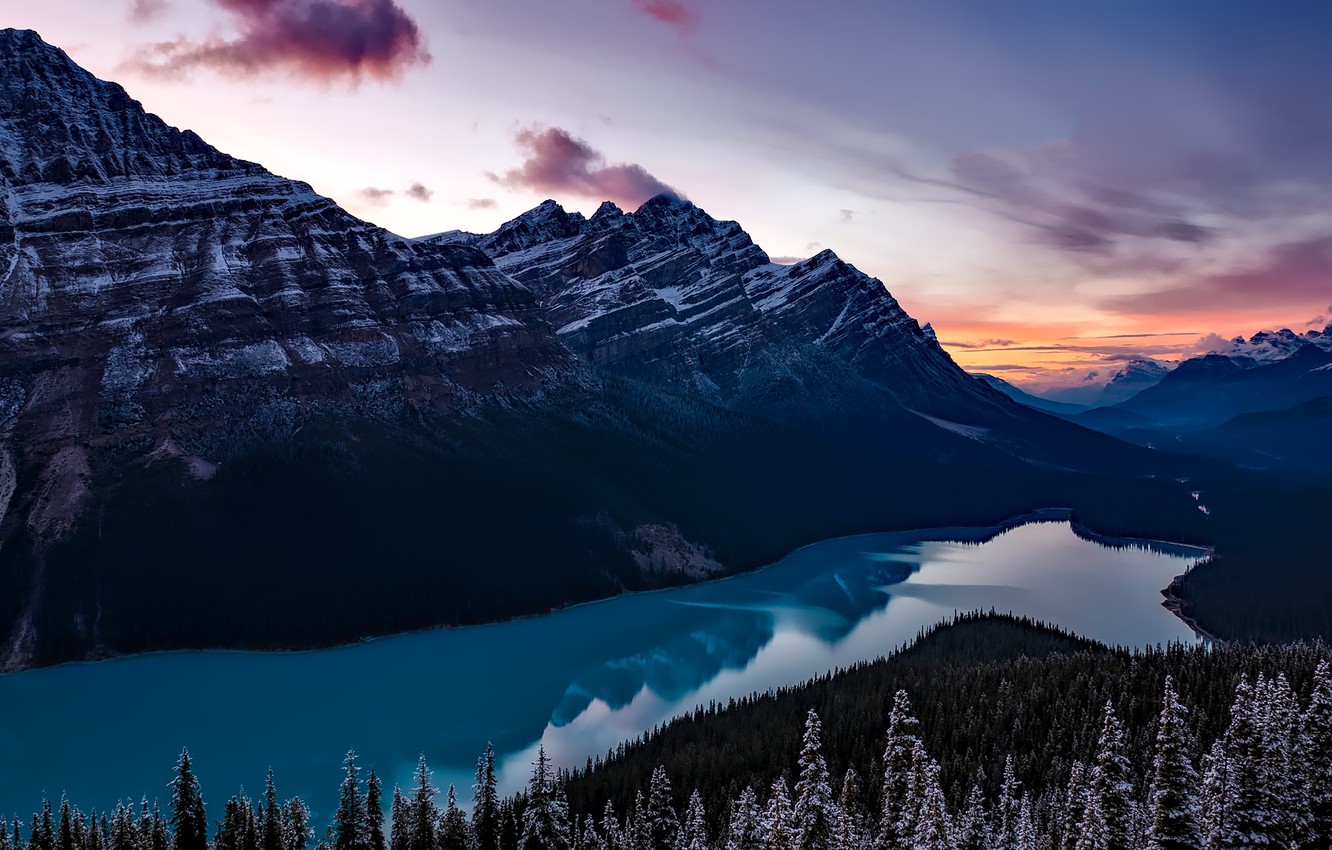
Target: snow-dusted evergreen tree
[(349, 821), (1214, 797), (1092, 833), (850, 833), (189, 821), (1025, 835), (421, 811), (1249, 819), (745, 828), (694, 836), (778, 818), (1283, 766), (65, 829), (970, 829), (815, 812), (1074, 807), (932, 829), (485, 802), (1111, 782), (454, 831), (588, 837), (661, 824), (375, 837), (296, 832), (636, 828), (1316, 750), (1172, 802), (546, 818), (1007, 808), (271, 832), (899, 770)]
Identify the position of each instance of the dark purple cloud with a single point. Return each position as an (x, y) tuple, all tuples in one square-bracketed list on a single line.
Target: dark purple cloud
[(558, 163), (319, 39), (418, 192), (675, 14)]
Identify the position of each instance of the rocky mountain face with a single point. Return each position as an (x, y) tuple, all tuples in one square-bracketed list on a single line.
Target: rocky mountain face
[(1270, 346), (1134, 377), (669, 295), (232, 414)]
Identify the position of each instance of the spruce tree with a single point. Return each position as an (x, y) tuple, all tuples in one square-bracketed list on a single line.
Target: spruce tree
[(932, 828), (779, 819), (1172, 803), (189, 822), (272, 833), (485, 802), (612, 836), (545, 820), (1215, 799), (971, 832), (1007, 808), (1249, 820), (1112, 781), (65, 832), (661, 823), (399, 822), (296, 832), (375, 838), (349, 824), (745, 831), (815, 812), (1316, 751), (454, 832), (899, 768), (850, 832), (422, 811), (694, 835)]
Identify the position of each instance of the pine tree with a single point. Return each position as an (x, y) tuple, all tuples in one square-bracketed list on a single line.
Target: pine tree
[(454, 832), (349, 822), (422, 810), (932, 828), (899, 768), (1025, 834), (694, 836), (189, 821), (1249, 818), (612, 836), (778, 818), (374, 813), (1172, 802), (1283, 770), (272, 836), (400, 822), (485, 803), (1215, 797), (1112, 781), (65, 832), (1074, 806), (1007, 808), (1316, 750), (850, 832), (661, 823), (545, 820), (745, 831), (296, 832), (510, 832), (815, 813), (971, 833)]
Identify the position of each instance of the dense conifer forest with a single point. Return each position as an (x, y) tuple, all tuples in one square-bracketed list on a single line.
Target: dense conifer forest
[(989, 732)]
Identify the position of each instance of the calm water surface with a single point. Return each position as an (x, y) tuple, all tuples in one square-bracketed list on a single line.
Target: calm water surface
[(579, 681)]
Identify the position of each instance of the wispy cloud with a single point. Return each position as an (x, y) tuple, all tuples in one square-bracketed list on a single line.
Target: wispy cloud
[(680, 16)]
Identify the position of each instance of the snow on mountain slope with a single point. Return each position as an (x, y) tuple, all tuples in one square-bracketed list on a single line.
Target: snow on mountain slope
[(1270, 346), (669, 294)]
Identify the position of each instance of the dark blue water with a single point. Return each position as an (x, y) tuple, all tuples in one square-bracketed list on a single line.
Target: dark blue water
[(579, 681)]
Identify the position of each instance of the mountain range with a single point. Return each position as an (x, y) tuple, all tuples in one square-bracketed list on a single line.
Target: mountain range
[(233, 414)]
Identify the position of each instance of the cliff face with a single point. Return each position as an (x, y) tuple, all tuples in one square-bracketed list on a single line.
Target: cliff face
[(670, 295)]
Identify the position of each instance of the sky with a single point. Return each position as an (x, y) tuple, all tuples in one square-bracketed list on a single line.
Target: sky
[(1057, 187)]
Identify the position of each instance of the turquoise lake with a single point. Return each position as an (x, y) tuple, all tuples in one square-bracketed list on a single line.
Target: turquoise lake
[(579, 680)]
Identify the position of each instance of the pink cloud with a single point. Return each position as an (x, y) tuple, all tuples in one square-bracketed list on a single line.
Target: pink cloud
[(673, 13), (319, 39), (559, 163), (142, 11)]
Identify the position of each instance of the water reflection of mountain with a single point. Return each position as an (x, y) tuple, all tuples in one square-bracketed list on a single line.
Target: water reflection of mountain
[(728, 634)]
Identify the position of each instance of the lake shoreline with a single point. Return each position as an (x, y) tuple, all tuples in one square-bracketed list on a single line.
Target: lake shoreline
[(954, 534)]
